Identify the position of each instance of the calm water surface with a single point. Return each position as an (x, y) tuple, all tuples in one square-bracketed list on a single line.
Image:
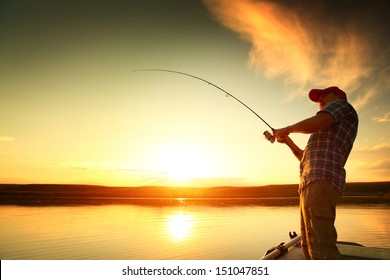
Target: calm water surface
[(182, 232)]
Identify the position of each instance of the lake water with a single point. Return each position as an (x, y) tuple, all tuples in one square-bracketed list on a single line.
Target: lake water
[(169, 232)]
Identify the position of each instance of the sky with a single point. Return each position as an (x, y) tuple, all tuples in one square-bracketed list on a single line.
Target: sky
[(74, 111)]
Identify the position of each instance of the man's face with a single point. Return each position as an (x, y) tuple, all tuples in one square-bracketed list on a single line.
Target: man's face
[(325, 98)]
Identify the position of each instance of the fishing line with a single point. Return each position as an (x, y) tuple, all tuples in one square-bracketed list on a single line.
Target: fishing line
[(267, 134)]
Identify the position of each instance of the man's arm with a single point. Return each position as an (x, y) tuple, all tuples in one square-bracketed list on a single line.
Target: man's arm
[(320, 121), (298, 153)]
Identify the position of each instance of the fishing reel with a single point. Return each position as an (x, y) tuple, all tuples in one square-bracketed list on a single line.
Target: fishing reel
[(269, 136)]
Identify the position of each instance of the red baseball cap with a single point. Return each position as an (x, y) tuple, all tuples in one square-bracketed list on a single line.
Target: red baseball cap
[(315, 94)]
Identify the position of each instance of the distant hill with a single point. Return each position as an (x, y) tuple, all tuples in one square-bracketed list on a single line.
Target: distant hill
[(352, 189), (60, 190), (53, 193)]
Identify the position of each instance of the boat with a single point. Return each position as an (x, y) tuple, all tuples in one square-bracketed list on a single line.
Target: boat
[(291, 250)]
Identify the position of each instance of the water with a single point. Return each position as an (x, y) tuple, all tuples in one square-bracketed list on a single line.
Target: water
[(169, 232)]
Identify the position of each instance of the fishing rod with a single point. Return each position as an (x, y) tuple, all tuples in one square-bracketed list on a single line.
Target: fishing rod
[(267, 134), (282, 248)]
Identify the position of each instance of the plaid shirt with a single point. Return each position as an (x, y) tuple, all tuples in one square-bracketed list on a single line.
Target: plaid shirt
[(327, 150)]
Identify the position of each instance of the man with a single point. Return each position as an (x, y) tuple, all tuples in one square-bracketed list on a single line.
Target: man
[(333, 130)]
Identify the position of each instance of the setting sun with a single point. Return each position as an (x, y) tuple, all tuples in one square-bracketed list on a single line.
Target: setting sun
[(184, 161)]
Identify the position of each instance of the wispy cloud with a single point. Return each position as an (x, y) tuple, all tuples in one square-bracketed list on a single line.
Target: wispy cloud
[(7, 139), (106, 166), (373, 160), (382, 147), (382, 164), (311, 43), (384, 118), (151, 177)]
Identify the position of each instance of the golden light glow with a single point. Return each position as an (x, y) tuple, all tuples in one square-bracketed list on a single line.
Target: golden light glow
[(184, 161), (129, 128), (179, 225)]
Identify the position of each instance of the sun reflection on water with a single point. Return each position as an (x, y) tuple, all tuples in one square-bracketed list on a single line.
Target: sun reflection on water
[(180, 225), (174, 232)]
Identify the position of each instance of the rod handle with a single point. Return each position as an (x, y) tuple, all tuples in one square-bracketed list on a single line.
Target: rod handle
[(269, 136)]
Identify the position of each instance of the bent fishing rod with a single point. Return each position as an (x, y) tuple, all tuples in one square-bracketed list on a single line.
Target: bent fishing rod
[(267, 134)]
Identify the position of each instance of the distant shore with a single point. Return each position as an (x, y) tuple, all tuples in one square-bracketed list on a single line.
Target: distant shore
[(60, 194)]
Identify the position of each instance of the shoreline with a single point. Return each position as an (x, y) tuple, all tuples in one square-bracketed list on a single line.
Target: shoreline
[(270, 195)]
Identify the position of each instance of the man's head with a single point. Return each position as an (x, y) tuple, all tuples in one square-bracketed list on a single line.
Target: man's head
[(315, 94), (323, 96)]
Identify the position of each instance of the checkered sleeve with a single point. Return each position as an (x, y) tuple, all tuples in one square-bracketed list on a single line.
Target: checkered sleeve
[(339, 109)]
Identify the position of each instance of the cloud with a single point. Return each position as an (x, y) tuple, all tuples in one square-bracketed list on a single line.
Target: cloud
[(383, 164), (371, 162), (313, 43), (365, 97), (380, 166), (7, 139), (151, 177), (384, 118), (110, 167), (382, 147)]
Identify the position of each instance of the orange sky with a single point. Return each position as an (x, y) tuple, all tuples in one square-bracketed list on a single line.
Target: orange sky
[(73, 111)]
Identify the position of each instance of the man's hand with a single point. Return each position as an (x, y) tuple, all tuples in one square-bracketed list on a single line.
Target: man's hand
[(281, 134)]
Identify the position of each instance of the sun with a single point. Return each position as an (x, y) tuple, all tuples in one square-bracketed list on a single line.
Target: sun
[(186, 160)]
